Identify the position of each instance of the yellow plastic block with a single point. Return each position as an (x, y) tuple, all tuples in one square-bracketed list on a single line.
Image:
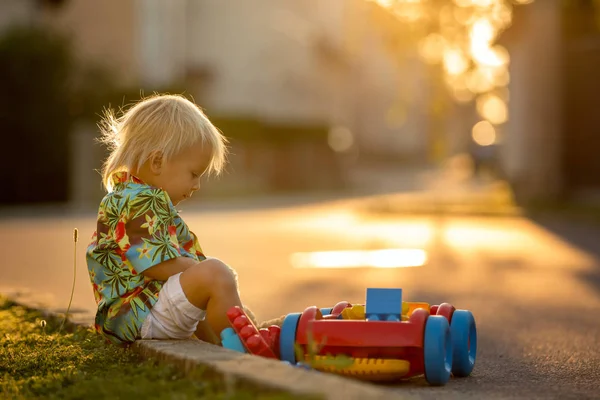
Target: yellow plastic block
[(409, 307), (358, 311), (370, 369), (354, 312)]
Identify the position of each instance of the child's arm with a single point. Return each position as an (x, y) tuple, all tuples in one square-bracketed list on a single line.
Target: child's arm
[(166, 269)]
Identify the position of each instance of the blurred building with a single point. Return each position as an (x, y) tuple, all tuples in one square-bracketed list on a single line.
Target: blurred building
[(288, 62), (552, 138), (304, 60)]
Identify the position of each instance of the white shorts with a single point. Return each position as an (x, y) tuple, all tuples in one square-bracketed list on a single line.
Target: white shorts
[(173, 316)]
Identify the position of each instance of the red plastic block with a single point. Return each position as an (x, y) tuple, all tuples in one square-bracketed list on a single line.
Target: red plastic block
[(433, 309), (339, 307), (250, 337), (271, 336), (446, 310), (356, 333)]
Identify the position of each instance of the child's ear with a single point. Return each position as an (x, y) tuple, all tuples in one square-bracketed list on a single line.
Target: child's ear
[(156, 162)]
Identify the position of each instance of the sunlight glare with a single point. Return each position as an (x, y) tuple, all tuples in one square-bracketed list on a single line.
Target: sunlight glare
[(384, 258), (340, 139), (455, 62), (484, 133), (464, 43), (492, 108), (431, 48)]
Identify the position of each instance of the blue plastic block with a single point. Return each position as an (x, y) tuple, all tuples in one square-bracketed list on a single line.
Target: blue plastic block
[(287, 337), (383, 305), (230, 340)]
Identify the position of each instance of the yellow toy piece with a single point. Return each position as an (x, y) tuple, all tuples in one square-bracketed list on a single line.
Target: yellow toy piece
[(409, 307), (370, 369), (358, 311), (354, 312)]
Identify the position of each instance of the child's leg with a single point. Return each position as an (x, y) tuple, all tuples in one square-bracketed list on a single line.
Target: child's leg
[(211, 285), (205, 333)]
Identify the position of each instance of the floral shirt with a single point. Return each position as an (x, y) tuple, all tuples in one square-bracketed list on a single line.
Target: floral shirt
[(138, 227)]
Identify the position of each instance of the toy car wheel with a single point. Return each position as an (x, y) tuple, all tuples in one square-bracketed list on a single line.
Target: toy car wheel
[(437, 350), (287, 338), (464, 342), (446, 310)]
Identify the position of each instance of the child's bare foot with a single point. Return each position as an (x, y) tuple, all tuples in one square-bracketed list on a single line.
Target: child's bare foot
[(250, 315), (275, 321)]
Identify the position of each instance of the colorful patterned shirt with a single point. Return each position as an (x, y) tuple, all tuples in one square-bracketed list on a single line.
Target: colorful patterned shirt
[(138, 227)]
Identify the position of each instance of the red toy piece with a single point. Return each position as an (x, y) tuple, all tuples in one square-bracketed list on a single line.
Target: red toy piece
[(365, 339), (253, 340), (339, 307), (271, 336), (444, 309), (337, 310)]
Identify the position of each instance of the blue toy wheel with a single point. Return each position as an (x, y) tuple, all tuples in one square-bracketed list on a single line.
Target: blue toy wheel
[(464, 342), (326, 311), (287, 338), (437, 350)]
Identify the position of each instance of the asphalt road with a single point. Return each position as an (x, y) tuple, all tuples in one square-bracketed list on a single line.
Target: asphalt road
[(535, 295)]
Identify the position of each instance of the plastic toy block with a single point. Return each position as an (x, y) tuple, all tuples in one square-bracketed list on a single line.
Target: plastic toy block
[(271, 336), (354, 333), (354, 312), (230, 340), (359, 334), (369, 369), (409, 307), (446, 310), (250, 337), (383, 305), (339, 308), (287, 338)]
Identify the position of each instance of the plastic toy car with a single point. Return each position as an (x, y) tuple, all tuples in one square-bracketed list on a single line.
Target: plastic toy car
[(385, 339)]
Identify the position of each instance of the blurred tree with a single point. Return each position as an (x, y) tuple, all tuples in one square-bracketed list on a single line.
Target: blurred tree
[(45, 94), (34, 65), (52, 3), (95, 87)]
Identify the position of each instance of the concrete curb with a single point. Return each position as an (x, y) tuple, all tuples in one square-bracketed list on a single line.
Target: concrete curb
[(261, 372)]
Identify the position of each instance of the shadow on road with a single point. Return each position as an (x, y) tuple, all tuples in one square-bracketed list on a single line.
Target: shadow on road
[(584, 236)]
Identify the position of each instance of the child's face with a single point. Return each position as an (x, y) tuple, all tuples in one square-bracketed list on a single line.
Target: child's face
[(180, 176)]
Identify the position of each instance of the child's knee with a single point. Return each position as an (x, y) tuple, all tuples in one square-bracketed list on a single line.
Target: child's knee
[(218, 273)]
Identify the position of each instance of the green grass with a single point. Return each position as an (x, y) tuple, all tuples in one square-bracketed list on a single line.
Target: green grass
[(38, 361)]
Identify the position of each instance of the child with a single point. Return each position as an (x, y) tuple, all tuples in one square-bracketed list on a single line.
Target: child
[(150, 277)]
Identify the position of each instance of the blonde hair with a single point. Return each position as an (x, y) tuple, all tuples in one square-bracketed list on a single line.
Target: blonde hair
[(165, 123)]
